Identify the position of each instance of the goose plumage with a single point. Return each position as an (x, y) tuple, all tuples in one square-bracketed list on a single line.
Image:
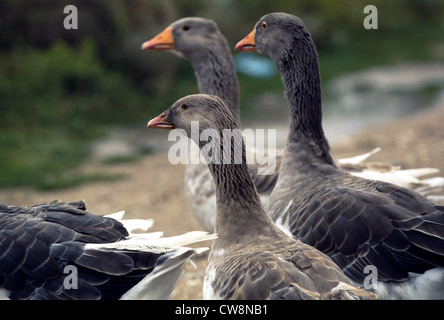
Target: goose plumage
[(251, 257), (356, 221), (59, 251)]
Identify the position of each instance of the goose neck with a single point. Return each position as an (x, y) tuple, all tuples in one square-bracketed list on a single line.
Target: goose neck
[(239, 209), (302, 81), (216, 75)]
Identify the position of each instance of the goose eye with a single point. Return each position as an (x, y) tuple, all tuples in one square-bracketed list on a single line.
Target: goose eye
[(184, 106), (186, 27), (264, 25)]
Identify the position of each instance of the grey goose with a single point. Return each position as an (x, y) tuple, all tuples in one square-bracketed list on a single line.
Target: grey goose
[(357, 222), (251, 258), (59, 251), (200, 42)]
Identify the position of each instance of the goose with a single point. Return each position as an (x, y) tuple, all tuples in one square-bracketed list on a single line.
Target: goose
[(358, 222), (200, 42), (251, 258), (60, 251)]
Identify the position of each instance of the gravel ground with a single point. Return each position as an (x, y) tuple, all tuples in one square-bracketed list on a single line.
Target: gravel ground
[(153, 188)]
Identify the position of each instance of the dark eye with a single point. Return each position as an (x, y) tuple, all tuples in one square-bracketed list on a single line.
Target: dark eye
[(264, 25), (184, 106), (186, 27)]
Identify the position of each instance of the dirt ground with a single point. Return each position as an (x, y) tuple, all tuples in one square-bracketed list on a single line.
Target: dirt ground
[(153, 188)]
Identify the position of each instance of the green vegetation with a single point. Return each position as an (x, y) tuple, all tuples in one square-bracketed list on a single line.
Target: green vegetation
[(128, 158), (53, 103), (62, 89)]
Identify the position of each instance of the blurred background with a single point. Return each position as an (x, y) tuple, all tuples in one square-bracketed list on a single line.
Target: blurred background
[(62, 92), (74, 103)]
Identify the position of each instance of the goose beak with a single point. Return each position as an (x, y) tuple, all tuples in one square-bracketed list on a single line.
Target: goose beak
[(160, 122), (163, 41), (247, 43)]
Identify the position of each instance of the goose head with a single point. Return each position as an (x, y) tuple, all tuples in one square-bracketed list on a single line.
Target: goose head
[(187, 37), (279, 35), (207, 111)]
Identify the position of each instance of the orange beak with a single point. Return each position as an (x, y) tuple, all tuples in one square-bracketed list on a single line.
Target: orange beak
[(247, 43), (163, 41), (160, 122)]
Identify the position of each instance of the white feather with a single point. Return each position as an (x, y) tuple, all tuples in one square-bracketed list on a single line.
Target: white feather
[(117, 215), (160, 283), (359, 158), (429, 285), (4, 294)]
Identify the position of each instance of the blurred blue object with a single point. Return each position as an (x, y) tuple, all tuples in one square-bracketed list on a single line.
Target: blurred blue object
[(254, 65)]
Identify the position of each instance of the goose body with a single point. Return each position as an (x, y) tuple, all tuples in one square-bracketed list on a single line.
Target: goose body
[(357, 222), (60, 251), (251, 258)]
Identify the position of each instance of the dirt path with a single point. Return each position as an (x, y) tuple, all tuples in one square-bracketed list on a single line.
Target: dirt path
[(154, 188)]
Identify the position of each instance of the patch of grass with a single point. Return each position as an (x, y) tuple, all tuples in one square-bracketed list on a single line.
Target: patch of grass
[(128, 158), (430, 91), (119, 159), (54, 102), (39, 157)]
